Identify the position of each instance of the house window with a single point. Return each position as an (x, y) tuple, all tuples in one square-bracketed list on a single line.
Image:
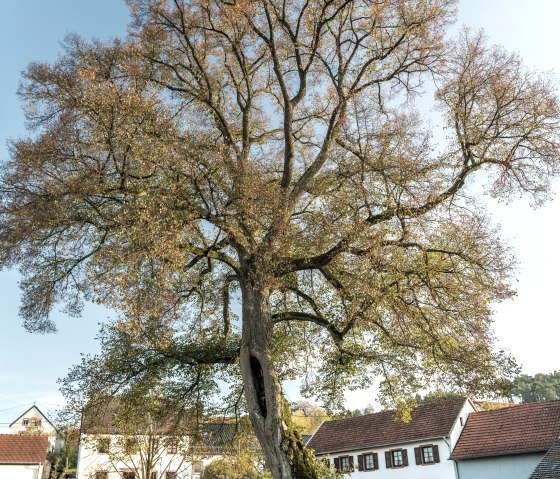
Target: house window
[(428, 454), (172, 446), (103, 445), (368, 461), (326, 461), (36, 421), (153, 475), (344, 463), (128, 475), (101, 475), (131, 445), (170, 475), (25, 422), (197, 467), (396, 458)]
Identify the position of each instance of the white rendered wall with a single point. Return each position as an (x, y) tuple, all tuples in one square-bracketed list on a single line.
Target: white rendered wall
[(445, 469), (506, 467), (460, 423), (8, 471), (33, 413), (17, 427), (90, 461)]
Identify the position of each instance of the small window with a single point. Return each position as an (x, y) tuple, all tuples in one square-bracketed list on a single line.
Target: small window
[(427, 454), (369, 465), (172, 445), (153, 475), (326, 461), (170, 475), (103, 445), (128, 475), (396, 458), (25, 422), (131, 445), (36, 421), (345, 463), (101, 475), (197, 467)]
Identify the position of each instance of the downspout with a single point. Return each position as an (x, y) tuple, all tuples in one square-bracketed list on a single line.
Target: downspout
[(455, 467)]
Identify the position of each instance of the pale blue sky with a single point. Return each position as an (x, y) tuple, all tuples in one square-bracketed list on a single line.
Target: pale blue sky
[(32, 30)]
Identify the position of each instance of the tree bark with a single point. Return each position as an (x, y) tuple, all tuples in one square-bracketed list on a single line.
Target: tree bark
[(285, 453)]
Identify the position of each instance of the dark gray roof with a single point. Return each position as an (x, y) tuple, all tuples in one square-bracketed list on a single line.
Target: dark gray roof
[(549, 467)]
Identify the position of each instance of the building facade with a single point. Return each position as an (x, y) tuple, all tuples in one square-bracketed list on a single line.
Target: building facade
[(377, 446), (34, 422), (23, 456), (508, 442)]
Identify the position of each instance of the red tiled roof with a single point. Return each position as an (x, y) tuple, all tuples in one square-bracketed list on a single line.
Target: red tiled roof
[(23, 449), (513, 430), (549, 467), (361, 432)]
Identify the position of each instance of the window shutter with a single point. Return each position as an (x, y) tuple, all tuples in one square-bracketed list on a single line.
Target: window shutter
[(375, 461), (417, 456), (436, 453), (351, 461), (360, 462), (405, 457), (388, 462), (337, 463)]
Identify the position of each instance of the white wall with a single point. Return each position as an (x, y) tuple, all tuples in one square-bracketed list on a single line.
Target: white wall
[(17, 427), (445, 469), (33, 413), (20, 471), (90, 461), (505, 467), (460, 423)]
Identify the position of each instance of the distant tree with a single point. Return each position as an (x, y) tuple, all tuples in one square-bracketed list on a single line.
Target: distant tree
[(307, 417), (241, 459), (269, 152), (64, 461), (540, 387), (437, 396)]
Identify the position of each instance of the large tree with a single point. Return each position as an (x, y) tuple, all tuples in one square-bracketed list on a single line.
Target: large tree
[(268, 153)]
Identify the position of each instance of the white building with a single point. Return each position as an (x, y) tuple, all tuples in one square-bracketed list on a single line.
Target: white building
[(126, 457), (22, 456), (377, 446), (508, 442), (34, 422), (145, 448)]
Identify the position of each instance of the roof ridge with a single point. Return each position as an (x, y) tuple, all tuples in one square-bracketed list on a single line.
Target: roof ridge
[(390, 411), (526, 405)]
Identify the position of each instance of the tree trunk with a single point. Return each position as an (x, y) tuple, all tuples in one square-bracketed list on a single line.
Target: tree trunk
[(285, 453)]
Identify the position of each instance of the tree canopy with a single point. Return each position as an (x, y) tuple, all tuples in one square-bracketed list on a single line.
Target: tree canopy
[(540, 387), (268, 154)]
